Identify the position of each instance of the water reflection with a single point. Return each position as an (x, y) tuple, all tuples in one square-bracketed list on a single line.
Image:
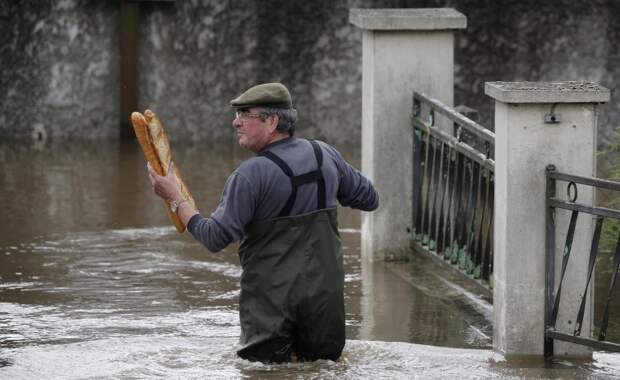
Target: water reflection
[(94, 282)]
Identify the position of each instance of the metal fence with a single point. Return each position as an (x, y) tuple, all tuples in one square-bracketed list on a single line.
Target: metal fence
[(453, 182), (552, 296)]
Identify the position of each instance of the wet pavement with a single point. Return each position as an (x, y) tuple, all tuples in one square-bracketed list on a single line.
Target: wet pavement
[(94, 283)]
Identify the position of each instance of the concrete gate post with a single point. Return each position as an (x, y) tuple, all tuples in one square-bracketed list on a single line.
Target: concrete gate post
[(527, 139), (403, 50)]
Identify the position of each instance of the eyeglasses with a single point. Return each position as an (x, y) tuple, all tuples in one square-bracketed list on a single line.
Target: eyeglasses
[(244, 115)]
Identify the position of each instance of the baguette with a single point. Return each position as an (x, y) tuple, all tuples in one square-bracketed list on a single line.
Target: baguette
[(155, 145)]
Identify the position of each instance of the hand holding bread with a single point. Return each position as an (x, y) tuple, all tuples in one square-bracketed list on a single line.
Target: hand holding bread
[(156, 148)]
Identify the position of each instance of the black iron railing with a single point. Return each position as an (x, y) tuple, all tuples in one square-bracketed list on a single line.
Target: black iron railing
[(453, 182), (552, 296)]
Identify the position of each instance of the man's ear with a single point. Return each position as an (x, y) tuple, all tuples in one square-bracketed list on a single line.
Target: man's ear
[(273, 122)]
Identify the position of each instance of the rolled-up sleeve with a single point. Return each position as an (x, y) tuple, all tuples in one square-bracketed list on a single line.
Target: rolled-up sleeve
[(225, 225)]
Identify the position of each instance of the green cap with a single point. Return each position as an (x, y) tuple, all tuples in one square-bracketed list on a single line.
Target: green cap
[(274, 95)]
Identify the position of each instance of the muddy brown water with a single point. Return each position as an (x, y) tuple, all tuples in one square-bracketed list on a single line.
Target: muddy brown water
[(95, 283)]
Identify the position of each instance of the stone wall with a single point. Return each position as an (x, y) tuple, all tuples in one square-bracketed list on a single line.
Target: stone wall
[(59, 60)]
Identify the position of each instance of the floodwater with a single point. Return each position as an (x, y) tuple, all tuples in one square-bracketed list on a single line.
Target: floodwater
[(95, 283)]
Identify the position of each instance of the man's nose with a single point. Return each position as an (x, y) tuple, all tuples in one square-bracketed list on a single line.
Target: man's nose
[(236, 123)]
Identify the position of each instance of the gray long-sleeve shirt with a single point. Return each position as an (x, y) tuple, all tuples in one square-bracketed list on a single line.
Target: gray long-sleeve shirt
[(258, 189)]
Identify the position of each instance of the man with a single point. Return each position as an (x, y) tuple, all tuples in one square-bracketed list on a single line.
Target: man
[(282, 205)]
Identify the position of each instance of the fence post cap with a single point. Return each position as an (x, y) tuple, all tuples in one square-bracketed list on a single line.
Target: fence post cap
[(547, 92), (408, 19)]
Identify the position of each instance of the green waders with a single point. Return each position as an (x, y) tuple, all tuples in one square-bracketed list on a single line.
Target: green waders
[(292, 286)]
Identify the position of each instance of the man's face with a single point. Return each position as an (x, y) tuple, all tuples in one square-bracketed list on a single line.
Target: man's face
[(253, 132)]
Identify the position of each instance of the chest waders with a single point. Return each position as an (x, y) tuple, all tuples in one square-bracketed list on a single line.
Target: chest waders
[(292, 286)]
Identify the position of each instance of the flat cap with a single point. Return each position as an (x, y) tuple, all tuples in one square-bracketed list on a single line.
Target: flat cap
[(274, 95)]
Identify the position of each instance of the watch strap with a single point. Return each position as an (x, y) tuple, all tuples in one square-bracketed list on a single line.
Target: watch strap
[(174, 205)]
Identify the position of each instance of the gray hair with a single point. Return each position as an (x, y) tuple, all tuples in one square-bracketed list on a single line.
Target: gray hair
[(286, 118)]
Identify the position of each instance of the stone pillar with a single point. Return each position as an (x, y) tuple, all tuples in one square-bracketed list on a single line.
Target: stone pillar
[(525, 143), (403, 50)]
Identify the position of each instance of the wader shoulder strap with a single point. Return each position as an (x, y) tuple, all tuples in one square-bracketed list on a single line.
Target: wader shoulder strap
[(321, 198), (296, 181)]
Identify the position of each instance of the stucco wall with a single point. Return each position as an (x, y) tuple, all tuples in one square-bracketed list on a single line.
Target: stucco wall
[(59, 60)]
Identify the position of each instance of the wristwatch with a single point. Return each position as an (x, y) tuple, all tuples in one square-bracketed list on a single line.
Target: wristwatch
[(174, 205)]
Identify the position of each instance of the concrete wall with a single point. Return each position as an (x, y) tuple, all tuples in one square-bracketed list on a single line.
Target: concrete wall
[(199, 56), (538, 41), (59, 69), (59, 60)]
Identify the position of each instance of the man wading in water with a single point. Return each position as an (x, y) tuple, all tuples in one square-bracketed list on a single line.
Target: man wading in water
[(282, 205)]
